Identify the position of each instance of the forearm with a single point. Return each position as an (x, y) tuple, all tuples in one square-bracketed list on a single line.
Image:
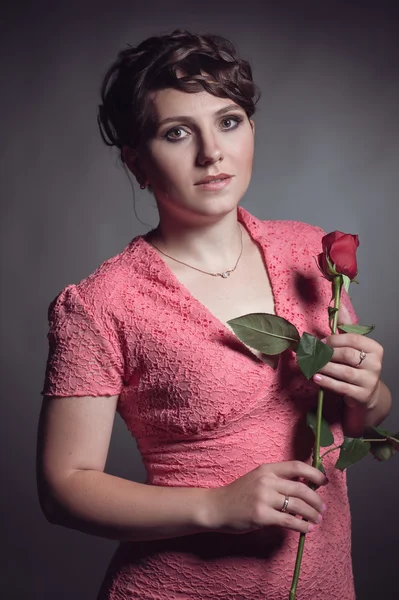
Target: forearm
[(356, 418), (101, 504)]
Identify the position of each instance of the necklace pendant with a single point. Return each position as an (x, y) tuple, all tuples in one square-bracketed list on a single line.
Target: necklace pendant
[(225, 274)]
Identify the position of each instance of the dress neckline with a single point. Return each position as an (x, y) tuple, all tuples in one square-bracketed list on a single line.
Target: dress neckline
[(256, 229)]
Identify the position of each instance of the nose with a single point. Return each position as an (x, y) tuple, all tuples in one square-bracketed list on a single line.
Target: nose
[(209, 150)]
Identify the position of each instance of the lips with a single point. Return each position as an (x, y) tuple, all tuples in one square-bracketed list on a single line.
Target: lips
[(213, 178)]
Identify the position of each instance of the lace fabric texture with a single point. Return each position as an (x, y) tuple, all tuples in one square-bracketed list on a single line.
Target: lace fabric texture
[(204, 411)]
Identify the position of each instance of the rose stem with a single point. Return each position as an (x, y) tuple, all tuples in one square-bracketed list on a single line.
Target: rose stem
[(337, 286)]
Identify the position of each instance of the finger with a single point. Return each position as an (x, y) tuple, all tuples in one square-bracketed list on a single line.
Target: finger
[(296, 468), (298, 507), (359, 393), (299, 490), (355, 341), (352, 358), (290, 522)]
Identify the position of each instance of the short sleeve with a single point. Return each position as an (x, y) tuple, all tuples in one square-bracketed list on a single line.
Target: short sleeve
[(85, 357)]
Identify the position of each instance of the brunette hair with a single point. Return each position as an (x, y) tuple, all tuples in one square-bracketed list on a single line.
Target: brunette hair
[(203, 62)]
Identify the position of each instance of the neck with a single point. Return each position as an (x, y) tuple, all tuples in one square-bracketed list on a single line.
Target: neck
[(213, 245)]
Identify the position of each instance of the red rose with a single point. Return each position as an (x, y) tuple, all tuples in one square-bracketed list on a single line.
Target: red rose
[(339, 255)]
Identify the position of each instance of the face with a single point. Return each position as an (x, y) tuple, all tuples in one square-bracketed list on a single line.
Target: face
[(197, 136)]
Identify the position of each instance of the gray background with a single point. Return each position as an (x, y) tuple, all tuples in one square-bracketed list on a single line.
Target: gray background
[(327, 153)]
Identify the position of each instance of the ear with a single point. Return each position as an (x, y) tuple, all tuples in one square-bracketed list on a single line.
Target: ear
[(252, 123), (130, 158)]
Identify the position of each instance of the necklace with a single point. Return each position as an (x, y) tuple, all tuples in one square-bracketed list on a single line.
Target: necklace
[(224, 274)]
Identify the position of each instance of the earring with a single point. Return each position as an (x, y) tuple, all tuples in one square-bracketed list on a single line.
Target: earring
[(142, 186)]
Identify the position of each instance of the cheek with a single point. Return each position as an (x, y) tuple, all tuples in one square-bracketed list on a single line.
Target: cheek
[(245, 149), (164, 174), (171, 166), (244, 154)]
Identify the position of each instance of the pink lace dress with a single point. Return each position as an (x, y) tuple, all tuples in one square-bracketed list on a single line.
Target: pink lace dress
[(204, 411)]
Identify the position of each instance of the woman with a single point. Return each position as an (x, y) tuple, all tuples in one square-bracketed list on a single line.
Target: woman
[(220, 428)]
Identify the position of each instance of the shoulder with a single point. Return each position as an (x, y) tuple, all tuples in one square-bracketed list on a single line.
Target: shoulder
[(283, 230), (297, 230), (294, 238), (286, 236), (104, 288)]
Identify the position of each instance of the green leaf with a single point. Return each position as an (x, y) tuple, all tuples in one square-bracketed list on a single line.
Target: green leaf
[(346, 282), (312, 355), (394, 439), (266, 333), (352, 450), (382, 451), (379, 431), (392, 442), (326, 437), (362, 329), (382, 433)]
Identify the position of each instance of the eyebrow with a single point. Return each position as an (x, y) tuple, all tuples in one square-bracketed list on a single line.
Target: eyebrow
[(218, 113)]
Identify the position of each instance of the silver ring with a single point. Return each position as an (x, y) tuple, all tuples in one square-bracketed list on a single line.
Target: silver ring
[(362, 356), (285, 505)]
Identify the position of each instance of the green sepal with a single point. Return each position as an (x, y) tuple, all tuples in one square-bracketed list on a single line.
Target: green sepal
[(352, 450), (346, 282), (312, 355), (266, 333), (362, 329), (326, 437), (331, 266)]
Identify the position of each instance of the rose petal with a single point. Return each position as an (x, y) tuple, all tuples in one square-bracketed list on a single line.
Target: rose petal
[(343, 254), (330, 238)]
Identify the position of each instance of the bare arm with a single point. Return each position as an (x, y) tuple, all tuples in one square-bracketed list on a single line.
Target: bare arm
[(356, 418), (74, 491)]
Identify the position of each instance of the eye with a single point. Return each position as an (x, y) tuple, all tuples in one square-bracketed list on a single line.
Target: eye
[(176, 134), (230, 122)]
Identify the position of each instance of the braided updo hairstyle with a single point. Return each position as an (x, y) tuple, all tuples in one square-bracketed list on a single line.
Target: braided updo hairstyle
[(181, 60)]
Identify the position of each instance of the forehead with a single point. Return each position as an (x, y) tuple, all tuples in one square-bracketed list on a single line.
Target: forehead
[(169, 102)]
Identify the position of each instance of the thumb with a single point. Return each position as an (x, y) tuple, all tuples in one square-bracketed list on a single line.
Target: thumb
[(344, 316)]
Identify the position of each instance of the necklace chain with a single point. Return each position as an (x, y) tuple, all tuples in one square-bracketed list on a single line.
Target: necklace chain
[(223, 274)]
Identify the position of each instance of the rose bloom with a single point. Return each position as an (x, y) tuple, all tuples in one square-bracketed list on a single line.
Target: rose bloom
[(340, 248)]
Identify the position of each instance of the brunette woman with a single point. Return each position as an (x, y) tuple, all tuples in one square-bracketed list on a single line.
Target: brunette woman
[(220, 427)]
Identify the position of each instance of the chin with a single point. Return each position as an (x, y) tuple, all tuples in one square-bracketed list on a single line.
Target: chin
[(202, 205), (216, 206)]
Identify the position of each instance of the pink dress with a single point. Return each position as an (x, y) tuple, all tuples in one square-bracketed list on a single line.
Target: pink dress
[(204, 411)]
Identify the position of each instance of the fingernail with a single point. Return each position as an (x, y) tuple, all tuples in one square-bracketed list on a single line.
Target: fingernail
[(319, 519), (317, 377), (311, 527), (323, 507), (324, 340)]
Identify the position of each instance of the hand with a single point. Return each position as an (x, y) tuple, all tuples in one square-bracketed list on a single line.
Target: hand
[(255, 500), (357, 383)]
